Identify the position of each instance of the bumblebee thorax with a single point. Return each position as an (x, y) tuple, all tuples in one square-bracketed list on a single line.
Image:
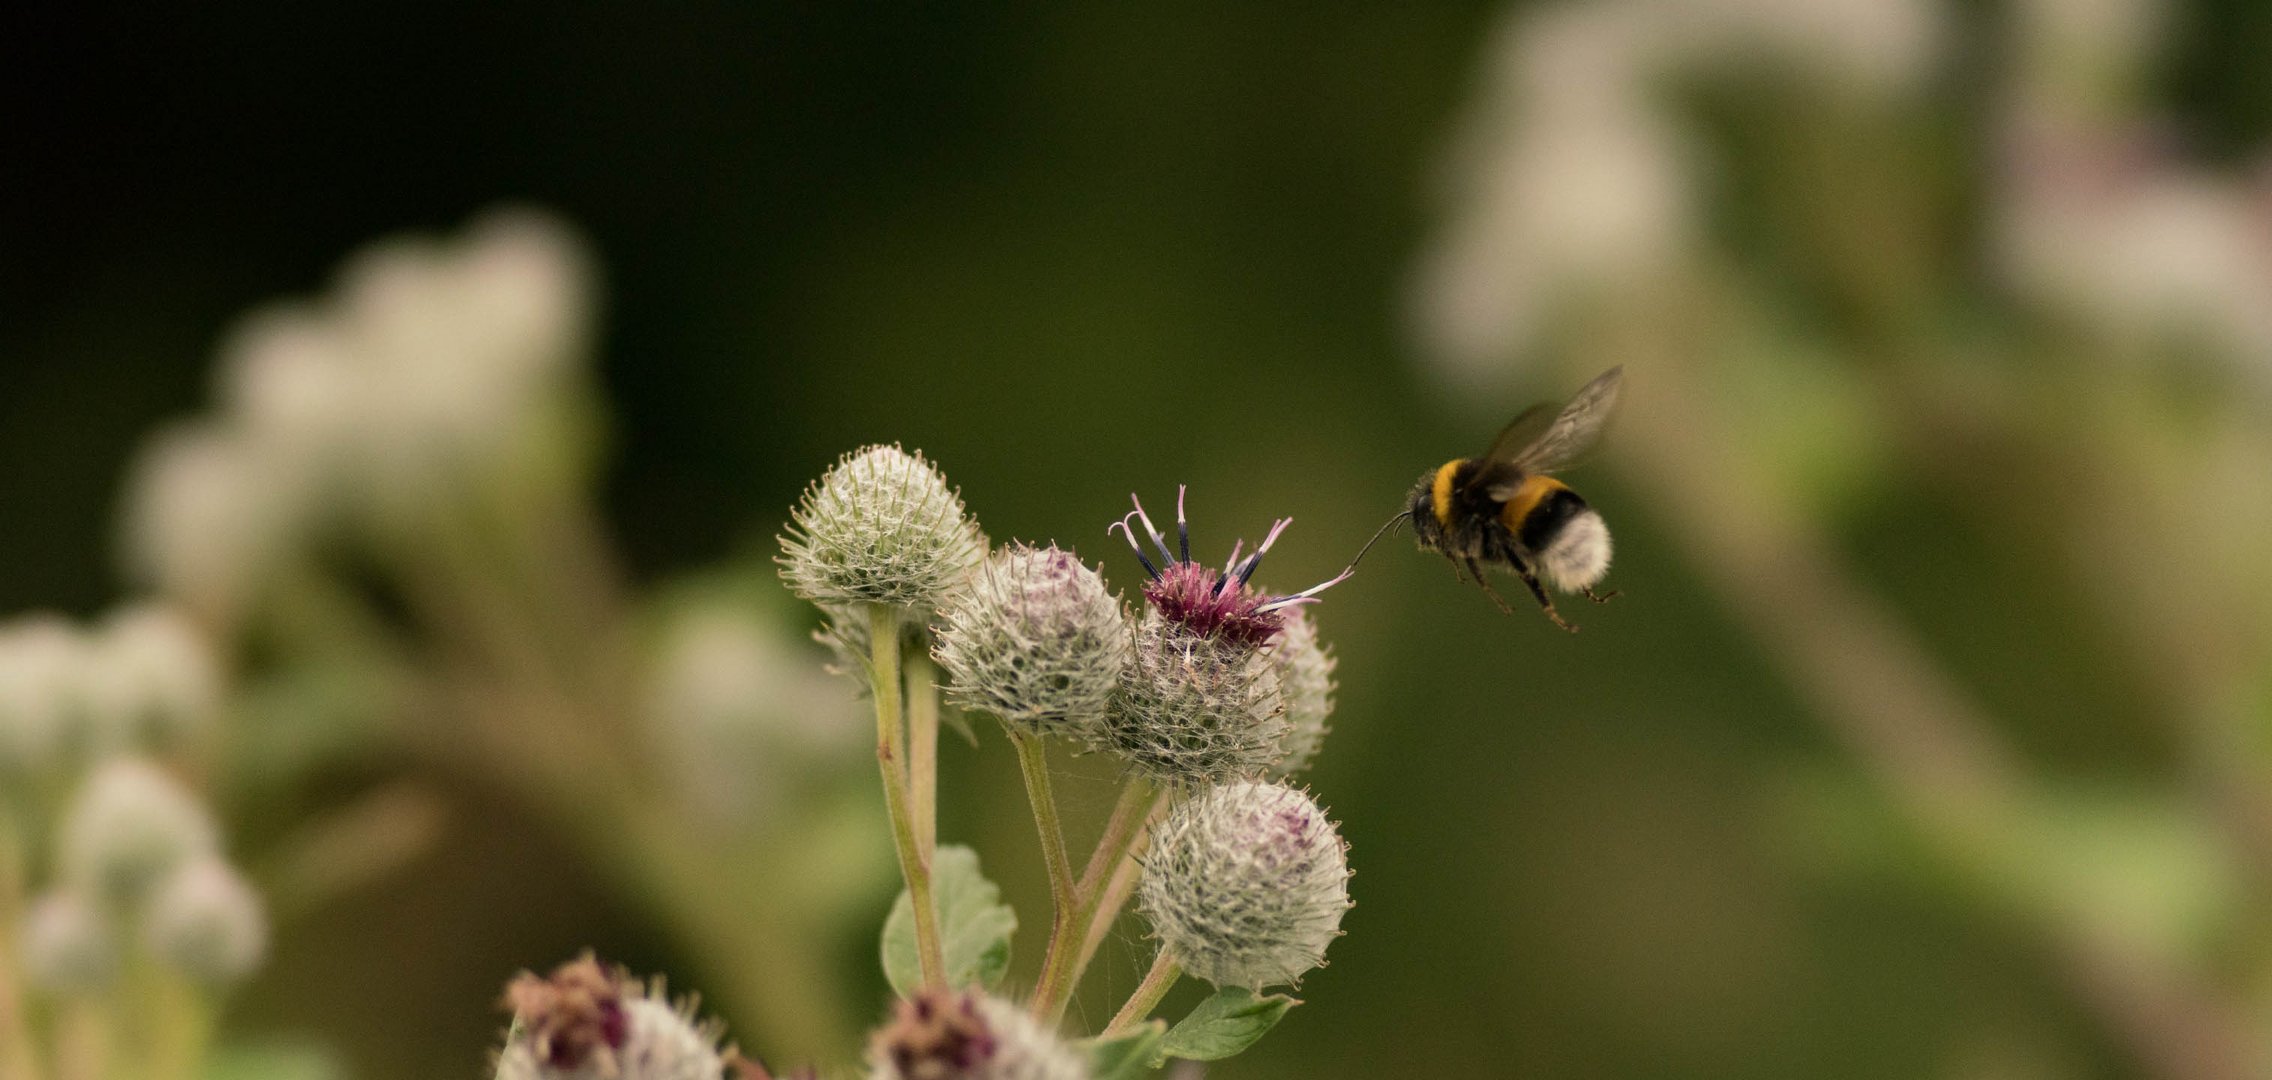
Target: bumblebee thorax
[(1440, 491)]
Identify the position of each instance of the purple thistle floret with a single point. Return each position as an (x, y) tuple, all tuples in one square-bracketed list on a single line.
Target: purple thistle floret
[(1211, 603)]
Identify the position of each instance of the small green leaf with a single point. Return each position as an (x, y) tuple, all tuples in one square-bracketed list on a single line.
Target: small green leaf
[(1225, 1024), (1127, 1056), (974, 927)]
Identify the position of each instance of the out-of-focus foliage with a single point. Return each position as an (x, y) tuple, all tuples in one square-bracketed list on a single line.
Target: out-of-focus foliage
[(1932, 734)]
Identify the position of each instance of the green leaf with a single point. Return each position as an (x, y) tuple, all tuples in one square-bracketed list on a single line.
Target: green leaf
[(1225, 1024), (1127, 1056), (974, 926), (274, 1061)]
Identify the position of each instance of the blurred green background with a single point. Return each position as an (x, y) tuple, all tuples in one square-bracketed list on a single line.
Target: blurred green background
[(1070, 252)]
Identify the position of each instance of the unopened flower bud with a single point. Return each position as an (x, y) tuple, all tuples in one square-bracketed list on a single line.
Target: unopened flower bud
[(131, 826), (1035, 639), (68, 946), (1245, 884), (968, 1035), (589, 1022), (206, 922), (882, 527), (1305, 680), (1196, 709)]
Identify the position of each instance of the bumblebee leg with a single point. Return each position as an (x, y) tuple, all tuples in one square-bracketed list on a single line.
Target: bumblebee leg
[(1476, 568), (1602, 598), (1545, 602)]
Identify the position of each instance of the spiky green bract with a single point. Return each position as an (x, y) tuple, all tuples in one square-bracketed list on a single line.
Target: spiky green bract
[(1245, 884), (588, 1022), (882, 527), (969, 1035), (1305, 680), (130, 826), (1035, 639), (1194, 709)]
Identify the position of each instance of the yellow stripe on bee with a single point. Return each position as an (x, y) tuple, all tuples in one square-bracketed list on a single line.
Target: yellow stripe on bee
[(1442, 491), (1527, 498)]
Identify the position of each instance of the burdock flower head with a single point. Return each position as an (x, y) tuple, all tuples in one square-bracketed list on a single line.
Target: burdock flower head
[(1036, 640), (590, 1022), (1202, 700), (1221, 606), (967, 1035), (1246, 883), (882, 527)]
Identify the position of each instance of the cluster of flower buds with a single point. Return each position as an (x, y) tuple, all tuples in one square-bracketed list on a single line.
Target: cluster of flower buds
[(432, 369), (139, 864), (1219, 691)]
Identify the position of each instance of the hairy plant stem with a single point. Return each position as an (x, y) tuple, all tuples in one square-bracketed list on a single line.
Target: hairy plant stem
[(891, 759), (1069, 951), (1157, 982), (1033, 761), (923, 751), (1116, 890)]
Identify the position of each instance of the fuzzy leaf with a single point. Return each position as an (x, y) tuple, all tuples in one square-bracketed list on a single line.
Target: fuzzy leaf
[(1225, 1024), (974, 927), (1128, 1056)]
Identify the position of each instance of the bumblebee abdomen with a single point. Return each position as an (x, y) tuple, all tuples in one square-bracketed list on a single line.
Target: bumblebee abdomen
[(1537, 509)]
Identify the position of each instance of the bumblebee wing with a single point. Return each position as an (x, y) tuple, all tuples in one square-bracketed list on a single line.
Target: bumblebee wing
[(1520, 433), (1576, 428), (1496, 468)]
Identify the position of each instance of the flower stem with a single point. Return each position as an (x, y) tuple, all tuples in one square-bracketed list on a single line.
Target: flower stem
[(1108, 904), (1157, 982), (1033, 761), (923, 751), (891, 756), (1068, 957)]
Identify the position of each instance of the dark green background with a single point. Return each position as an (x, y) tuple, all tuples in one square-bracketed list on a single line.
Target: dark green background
[(1069, 252)]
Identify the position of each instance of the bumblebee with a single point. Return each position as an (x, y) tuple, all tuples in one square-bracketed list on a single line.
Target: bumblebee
[(1505, 508)]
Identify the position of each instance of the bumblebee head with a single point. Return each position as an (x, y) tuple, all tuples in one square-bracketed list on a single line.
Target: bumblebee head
[(1427, 528)]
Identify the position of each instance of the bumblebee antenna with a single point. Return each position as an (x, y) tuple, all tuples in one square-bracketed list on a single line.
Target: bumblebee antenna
[(1386, 528)]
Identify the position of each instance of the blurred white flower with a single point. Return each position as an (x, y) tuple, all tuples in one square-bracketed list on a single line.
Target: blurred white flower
[(68, 944), (2103, 227), (153, 682), (206, 922), (740, 708), (41, 660), (208, 516), (432, 366), (130, 827), (1571, 176)]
